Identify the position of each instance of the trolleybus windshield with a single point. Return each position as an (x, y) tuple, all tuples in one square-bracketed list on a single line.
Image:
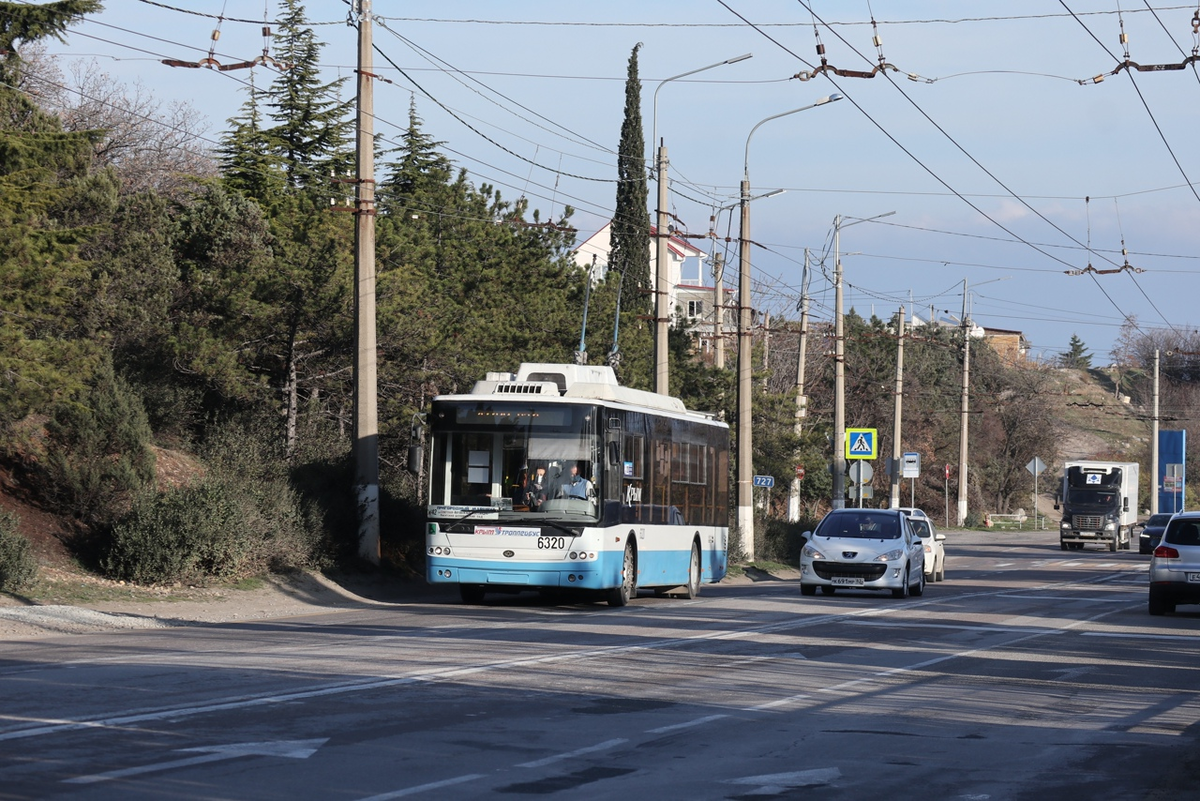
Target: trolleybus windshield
[(496, 458)]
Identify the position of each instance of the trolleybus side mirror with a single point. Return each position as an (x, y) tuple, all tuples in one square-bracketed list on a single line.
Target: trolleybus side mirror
[(614, 453), (416, 455)]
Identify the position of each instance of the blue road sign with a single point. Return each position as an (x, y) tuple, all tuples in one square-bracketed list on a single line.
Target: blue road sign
[(764, 481), (861, 443)]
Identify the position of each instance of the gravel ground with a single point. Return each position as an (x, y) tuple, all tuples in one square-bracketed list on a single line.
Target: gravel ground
[(280, 596)]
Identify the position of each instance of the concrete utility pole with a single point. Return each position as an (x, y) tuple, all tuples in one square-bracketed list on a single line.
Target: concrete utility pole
[(366, 405), (896, 452), (662, 286), (962, 437), (1154, 445), (719, 308), (745, 454), (838, 501), (801, 400)]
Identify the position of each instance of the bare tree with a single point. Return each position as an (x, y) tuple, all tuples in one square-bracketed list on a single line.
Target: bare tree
[(148, 145)]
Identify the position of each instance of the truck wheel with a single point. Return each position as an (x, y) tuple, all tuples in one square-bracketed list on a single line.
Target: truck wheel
[(1112, 546), (1063, 545)]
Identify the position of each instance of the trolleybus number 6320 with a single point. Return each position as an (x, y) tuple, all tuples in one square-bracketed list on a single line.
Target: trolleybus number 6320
[(551, 543)]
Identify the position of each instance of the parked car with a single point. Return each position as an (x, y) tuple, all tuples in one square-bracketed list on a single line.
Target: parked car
[(1151, 532), (863, 549), (935, 550), (913, 511), (1175, 565)]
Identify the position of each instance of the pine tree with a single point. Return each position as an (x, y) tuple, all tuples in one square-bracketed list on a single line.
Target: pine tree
[(1077, 356), (630, 250), (312, 134), (245, 157), (48, 203)]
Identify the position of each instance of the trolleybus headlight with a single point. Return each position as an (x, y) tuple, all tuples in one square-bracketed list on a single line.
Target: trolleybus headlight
[(574, 555)]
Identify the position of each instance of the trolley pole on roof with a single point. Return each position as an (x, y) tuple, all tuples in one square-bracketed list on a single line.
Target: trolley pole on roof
[(366, 405)]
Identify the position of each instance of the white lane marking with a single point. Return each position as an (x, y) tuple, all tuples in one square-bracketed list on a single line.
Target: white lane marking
[(423, 788), (1091, 599), (293, 749), (1070, 674), (591, 749), (772, 704), (688, 725), (776, 783), (961, 627), (1131, 635), (1005, 564)]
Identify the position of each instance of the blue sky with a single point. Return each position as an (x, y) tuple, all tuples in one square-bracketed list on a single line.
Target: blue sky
[(1002, 160)]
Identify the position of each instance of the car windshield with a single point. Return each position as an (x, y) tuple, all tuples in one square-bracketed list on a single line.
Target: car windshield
[(920, 527), (1158, 520), (862, 525)]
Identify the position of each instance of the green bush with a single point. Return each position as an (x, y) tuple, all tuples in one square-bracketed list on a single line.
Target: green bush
[(781, 541), (243, 519), (98, 450), (17, 564)]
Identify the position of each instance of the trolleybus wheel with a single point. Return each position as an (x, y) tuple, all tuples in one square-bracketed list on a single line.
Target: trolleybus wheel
[(619, 596), (692, 589)]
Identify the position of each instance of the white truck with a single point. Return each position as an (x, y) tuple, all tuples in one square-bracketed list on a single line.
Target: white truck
[(1099, 504)]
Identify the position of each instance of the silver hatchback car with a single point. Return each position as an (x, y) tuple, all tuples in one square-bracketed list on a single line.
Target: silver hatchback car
[(1175, 565), (863, 549)]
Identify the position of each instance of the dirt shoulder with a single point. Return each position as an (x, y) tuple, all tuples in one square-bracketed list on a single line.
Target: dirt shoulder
[(126, 607), (59, 612)]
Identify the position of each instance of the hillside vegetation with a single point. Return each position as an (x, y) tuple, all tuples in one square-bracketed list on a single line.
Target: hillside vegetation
[(177, 346)]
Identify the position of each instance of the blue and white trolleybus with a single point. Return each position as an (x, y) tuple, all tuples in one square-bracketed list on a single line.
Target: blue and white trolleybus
[(559, 478)]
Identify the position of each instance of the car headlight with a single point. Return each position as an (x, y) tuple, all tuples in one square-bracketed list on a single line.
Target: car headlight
[(812, 553), (890, 556), (1066, 525)]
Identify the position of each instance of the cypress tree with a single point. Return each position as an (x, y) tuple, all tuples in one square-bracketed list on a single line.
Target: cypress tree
[(630, 250)]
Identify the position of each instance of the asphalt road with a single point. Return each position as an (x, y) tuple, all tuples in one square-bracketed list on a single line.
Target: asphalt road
[(1029, 673)]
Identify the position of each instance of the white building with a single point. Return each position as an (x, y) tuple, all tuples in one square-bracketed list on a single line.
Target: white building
[(691, 286)]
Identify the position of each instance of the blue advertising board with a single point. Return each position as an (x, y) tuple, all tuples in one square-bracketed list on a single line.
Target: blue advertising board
[(1171, 478)]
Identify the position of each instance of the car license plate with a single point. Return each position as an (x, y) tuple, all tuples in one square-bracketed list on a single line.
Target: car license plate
[(852, 581), (1193, 578)]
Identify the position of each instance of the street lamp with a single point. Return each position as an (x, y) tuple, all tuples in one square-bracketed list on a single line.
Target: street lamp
[(839, 364), (961, 516), (662, 311), (745, 468), (719, 280)]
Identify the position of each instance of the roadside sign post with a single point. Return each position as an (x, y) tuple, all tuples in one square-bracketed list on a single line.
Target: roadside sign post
[(767, 482), (947, 496), (860, 475), (911, 469), (1035, 466), (861, 444)]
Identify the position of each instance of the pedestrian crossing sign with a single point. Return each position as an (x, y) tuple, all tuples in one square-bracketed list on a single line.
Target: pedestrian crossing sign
[(861, 443)]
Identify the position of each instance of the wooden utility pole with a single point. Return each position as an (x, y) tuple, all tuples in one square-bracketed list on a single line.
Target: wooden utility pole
[(366, 404)]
